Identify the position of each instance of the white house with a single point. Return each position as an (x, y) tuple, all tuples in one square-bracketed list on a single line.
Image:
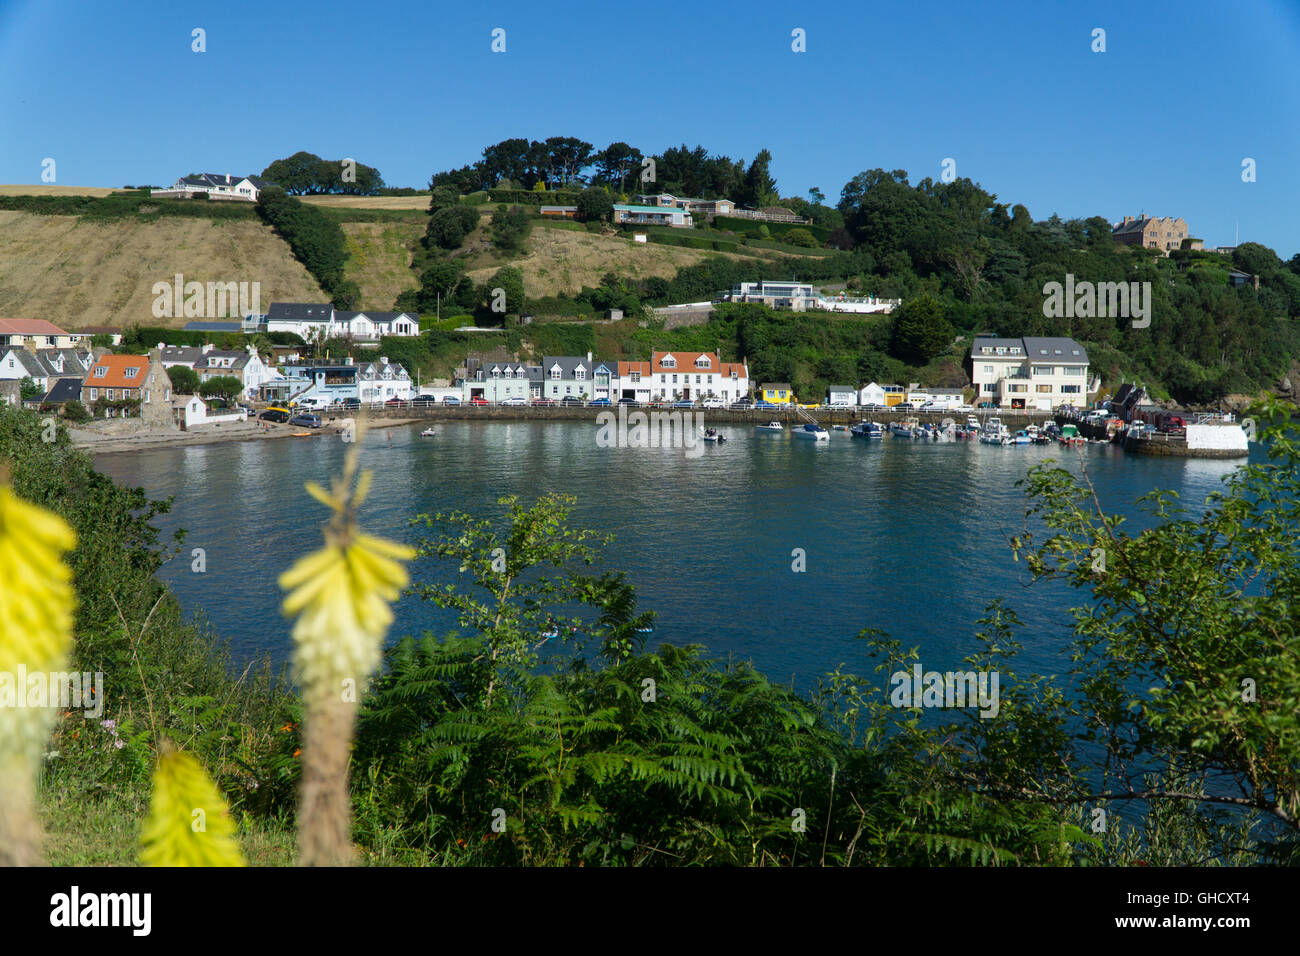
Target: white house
[(210, 362), (801, 297), (313, 321), (651, 215), (841, 396), (696, 375), (214, 186), (943, 397), (884, 395), (44, 366), (382, 380), (191, 411), (1037, 373), (568, 376)]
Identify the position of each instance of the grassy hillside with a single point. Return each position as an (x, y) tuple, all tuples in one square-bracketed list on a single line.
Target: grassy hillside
[(379, 259), (45, 189), (77, 273)]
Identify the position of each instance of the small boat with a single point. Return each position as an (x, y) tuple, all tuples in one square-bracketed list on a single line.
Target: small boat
[(839, 428), (1019, 438), (1070, 436), (712, 434), (812, 432), (770, 427), (867, 430), (300, 434), (994, 433), (905, 428), (427, 433)]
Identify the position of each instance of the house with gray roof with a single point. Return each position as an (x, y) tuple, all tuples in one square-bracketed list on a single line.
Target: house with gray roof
[(44, 366), (496, 381), (214, 186), (1039, 373), (568, 376)]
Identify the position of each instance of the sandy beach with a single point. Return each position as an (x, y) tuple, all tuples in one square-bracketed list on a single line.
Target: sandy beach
[(126, 436)]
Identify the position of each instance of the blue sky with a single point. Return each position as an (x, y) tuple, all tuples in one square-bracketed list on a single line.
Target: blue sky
[(1159, 123)]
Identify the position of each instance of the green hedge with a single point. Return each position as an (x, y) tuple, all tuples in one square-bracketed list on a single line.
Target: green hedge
[(750, 227), (125, 205), (526, 197)]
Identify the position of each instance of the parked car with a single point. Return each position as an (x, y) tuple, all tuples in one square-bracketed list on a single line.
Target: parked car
[(249, 409), (351, 403), (905, 407), (763, 404), (479, 400), (306, 420), (513, 400), (424, 401), (714, 403), (742, 402), (450, 400), (573, 400), (987, 405), (395, 402), (683, 403), (598, 402), (630, 402), (543, 401), (278, 415)]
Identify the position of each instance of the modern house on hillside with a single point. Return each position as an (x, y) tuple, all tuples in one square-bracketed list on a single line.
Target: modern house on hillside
[(651, 216), (214, 186)]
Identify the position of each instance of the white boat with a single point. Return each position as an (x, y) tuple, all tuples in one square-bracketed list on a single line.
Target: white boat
[(713, 435), (905, 427), (1021, 437), (427, 433), (867, 430), (811, 432), (770, 427), (994, 433)]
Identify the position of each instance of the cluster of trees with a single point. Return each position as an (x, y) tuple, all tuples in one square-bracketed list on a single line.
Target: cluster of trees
[(986, 263), (317, 242), (306, 174), (566, 161)]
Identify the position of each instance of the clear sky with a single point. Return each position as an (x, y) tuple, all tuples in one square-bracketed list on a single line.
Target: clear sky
[(1012, 91)]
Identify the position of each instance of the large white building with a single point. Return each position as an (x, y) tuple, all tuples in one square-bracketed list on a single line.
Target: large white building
[(1032, 373), (801, 297), (315, 321)]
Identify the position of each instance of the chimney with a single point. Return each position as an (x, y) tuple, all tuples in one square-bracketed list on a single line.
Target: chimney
[(207, 347), (588, 358), (383, 360)]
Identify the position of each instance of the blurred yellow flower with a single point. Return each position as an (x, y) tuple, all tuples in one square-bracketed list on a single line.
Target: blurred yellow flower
[(188, 823)]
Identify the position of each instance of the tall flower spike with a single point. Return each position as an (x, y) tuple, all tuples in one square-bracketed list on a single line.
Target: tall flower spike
[(188, 823), (37, 602), (341, 595)]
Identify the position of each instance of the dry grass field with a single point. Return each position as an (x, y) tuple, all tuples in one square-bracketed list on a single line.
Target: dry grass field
[(559, 261), (46, 189), (369, 202), (77, 273)]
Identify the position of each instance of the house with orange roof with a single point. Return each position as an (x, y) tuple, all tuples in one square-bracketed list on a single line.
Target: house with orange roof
[(692, 376), (633, 382), (39, 334), (122, 385)]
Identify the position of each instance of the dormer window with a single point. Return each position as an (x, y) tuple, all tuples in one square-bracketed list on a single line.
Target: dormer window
[(702, 362), (100, 371), (580, 374), (668, 362), (555, 372), (130, 373)]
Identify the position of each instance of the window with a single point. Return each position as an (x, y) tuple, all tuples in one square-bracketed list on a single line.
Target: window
[(1070, 389), (1073, 369), (697, 380), (101, 371), (94, 394), (702, 362), (1043, 389), (1042, 370), (580, 374), (555, 372), (674, 379), (496, 373), (1017, 388), (668, 362), (635, 377)]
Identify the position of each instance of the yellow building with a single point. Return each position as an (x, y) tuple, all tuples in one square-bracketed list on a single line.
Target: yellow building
[(778, 393)]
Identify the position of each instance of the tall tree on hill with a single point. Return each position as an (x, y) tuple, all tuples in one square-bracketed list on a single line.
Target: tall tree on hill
[(569, 156), (296, 175), (615, 164), (759, 188), (920, 330)]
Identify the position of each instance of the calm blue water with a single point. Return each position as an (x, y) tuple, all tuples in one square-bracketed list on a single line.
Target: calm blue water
[(907, 537)]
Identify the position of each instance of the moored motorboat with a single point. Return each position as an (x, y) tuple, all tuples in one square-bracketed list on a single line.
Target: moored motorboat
[(770, 428), (427, 433), (994, 432), (867, 430), (811, 432)]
